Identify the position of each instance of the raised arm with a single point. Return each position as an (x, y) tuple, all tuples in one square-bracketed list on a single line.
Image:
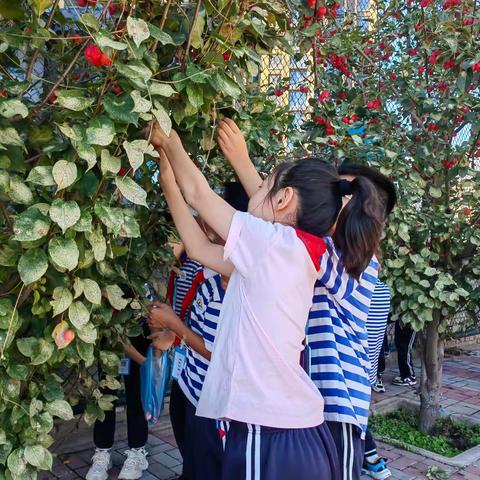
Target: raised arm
[(196, 242), (212, 208), (234, 148)]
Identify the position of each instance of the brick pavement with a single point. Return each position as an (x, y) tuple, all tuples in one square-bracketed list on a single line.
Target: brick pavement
[(460, 394)]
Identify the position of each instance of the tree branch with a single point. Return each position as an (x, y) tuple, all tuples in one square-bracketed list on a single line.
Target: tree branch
[(190, 34), (6, 215)]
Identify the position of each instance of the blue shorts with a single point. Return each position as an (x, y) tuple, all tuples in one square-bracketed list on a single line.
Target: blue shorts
[(253, 452)]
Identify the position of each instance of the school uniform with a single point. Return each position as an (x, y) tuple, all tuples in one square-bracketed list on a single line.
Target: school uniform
[(255, 380), (203, 440), (338, 343)]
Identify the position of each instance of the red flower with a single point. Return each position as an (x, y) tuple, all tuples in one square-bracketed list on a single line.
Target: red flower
[(342, 95), (52, 97), (443, 86), (476, 67), (425, 3), (274, 132), (278, 92), (468, 21), (467, 211), (122, 172), (451, 3), (421, 69), (419, 26), (430, 88), (369, 51), (329, 130), (449, 64), (432, 127), (464, 109), (227, 56), (347, 120), (448, 164), (434, 56), (311, 3), (319, 120), (84, 3), (117, 89), (412, 51), (324, 95), (355, 118), (76, 39), (393, 76), (96, 57), (321, 12), (304, 89), (112, 8), (374, 104), (340, 63)]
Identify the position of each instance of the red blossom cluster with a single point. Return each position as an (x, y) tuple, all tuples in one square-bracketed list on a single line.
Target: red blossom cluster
[(323, 95), (448, 164), (451, 4), (425, 3), (94, 56), (329, 130), (340, 63), (352, 119), (374, 104), (86, 3), (304, 89), (278, 92), (434, 56)]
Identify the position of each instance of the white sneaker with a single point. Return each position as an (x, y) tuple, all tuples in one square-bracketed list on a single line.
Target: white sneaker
[(101, 464), (134, 465)]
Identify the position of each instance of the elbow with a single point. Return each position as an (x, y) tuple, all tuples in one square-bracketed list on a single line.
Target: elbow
[(194, 252), (195, 193)]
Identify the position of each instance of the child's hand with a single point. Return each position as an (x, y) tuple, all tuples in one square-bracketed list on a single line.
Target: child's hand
[(161, 315), (232, 142), (159, 139), (162, 340)]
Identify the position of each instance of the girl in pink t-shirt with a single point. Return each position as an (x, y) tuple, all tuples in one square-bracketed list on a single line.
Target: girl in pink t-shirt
[(271, 255)]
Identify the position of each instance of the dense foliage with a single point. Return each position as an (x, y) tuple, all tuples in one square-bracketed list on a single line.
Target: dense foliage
[(83, 226)]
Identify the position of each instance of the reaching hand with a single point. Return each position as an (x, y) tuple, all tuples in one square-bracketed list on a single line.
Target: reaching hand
[(232, 142), (159, 139), (162, 340), (161, 315)]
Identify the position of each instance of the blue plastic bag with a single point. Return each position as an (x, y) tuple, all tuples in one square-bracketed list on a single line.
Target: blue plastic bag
[(154, 377)]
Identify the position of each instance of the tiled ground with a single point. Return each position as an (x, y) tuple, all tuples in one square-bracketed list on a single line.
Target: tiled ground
[(461, 394)]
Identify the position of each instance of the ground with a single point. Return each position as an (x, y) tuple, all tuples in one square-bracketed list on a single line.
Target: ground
[(460, 394)]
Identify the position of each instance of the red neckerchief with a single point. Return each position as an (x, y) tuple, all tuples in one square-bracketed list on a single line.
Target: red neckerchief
[(315, 246)]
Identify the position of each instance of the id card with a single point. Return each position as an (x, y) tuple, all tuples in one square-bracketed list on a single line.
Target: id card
[(306, 359), (179, 360), (124, 367)]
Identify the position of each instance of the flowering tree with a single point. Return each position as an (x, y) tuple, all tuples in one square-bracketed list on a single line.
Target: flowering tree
[(83, 226), (397, 87)]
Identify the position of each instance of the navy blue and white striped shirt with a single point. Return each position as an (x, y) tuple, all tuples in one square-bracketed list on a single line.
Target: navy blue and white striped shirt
[(337, 336), (183, 282), (376, 325), (204, 316)]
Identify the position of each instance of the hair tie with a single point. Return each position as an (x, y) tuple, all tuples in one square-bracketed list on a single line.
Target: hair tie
[(345, 187)]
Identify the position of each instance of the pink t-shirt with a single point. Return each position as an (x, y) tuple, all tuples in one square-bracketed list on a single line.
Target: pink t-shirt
[(255, 374)]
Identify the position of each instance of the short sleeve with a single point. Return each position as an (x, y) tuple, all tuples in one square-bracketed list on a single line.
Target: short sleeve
[(248, 240)]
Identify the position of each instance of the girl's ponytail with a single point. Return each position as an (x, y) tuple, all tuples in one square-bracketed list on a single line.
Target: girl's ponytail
[(359, 225)]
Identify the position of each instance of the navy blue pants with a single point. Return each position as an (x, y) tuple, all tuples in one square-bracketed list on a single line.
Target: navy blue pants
[(254, 452), (350, 449), (178, 414), (203, 447)]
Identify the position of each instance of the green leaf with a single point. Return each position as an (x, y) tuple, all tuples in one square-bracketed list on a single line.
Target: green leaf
[(195, 95), (78, 314), (136, 72), (16, 462), (115, 297), (90, 21), (92, 291), (162, 89), (101, 131), (227, 86), (62, 299), (120, 108), (41, 175), (64, 253), (42, 351), (140, 104), (8, 256), (30, 225), (32, 265), (86, 152), (38, 456), (64, 173), (103, 41), (435, 192), (85, 352), (26, 346), (109, 163), (41, 5), (98, 243), (136, 150), (7, 315), (19, 372), (73, 133), (60, 409), (87, 333), (163, 37), (19, 192), (84, 224), (10, 108), (9, 136), (119, 221), (65, 214), (131, 190), (11, 11), (163, 118), (197, 31), (138, 30), (73, 100)]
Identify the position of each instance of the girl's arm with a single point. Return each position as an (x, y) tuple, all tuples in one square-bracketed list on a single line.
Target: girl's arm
[(234, 148), (196, 242), (215, 211), (133, 353), (161, 315)]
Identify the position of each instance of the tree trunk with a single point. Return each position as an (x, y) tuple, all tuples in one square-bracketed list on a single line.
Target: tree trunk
[(432, 351)]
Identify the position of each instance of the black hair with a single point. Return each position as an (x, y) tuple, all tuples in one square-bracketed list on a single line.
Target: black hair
[(320, 191), (386, 188), (235, 195)]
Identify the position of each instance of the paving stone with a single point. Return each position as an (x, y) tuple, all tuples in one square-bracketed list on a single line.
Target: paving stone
[(154, 440), (175, 453), (161, 472), (402, 462), (166, 460), (75, 461), (159, 448)]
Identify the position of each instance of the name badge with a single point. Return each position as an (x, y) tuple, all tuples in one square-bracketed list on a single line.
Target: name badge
[(179, 360), (124, 367)]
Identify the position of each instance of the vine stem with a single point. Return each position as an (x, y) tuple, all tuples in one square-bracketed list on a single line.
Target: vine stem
[(190, 33), (37, 51), (162, 23), (16, 404), (6, 215), (9, 331)]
